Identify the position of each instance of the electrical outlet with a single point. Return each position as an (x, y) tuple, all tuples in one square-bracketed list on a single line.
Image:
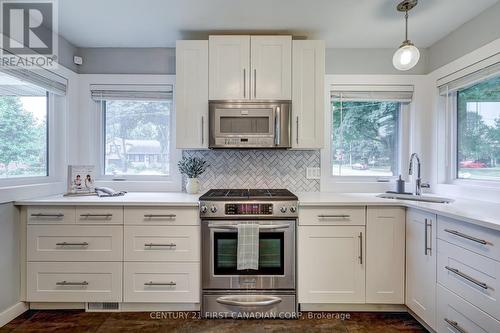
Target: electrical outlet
[(313, 173)]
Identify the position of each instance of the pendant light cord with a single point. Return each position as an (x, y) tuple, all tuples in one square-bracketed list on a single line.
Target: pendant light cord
[(406, 25)]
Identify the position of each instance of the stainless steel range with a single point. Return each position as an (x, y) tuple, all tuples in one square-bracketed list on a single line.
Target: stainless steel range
[(271, 289)]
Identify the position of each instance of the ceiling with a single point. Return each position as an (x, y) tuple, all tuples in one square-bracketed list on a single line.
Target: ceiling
[(341, 23)]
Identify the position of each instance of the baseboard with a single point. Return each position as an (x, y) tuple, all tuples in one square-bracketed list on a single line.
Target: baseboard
[(147, 307), (423, 323), (353, 307), (56, 306), (11, 313)]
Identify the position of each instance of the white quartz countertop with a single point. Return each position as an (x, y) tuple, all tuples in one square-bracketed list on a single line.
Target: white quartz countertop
[(129, 199), (484, 213)]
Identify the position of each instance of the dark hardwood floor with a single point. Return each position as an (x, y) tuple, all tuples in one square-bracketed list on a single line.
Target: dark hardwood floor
[(76, 321)]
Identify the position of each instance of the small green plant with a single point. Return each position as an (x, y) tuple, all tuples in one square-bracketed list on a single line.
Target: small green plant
[(192, 167)]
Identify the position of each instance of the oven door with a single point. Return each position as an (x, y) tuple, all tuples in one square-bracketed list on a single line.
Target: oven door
[(276, 256)]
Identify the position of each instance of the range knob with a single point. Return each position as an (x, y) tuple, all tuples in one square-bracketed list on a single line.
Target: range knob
[(213, 209), (203, 209), (293, 209), (283, 209)]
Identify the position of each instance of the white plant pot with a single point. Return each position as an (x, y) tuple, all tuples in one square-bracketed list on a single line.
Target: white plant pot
[(192, 185)]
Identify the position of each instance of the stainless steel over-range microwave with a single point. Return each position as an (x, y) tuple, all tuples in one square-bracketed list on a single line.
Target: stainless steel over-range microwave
[(250, 124)]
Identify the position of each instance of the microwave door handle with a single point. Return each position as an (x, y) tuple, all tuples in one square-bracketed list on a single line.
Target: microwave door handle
[(277, 127)]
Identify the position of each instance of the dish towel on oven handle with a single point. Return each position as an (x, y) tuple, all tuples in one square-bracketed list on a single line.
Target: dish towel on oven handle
[(248, 246)]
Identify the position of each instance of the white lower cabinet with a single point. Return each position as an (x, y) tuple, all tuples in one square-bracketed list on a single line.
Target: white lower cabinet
[(385, 255), (421, 264), (331, 266), (74, 282), (161, 282), (454, 314)]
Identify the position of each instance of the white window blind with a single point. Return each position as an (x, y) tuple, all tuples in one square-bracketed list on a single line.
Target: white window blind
[(41, 78), (131, 92), (470, 75), (361, 93)]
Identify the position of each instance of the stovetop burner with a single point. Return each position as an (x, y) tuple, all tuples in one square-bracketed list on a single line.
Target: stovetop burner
[(248, 194)]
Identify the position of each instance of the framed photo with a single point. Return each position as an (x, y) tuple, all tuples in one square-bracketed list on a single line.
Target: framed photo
[(81, 179)]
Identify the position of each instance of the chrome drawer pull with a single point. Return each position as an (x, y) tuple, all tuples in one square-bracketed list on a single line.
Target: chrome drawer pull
[(427, 247), (47, 215), (96, 215), (66, 283), (159, 245), (72, 244), (149, 216), (455, 325), (151, 283), (459, 234), (467, 277), (258, 301), (340, 216), (360, 248)]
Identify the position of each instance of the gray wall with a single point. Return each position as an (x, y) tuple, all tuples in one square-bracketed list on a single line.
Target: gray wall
[(66, 53), (475, 33), (10, 266)]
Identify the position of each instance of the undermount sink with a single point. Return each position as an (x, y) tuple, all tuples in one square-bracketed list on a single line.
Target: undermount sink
[(413, 197)]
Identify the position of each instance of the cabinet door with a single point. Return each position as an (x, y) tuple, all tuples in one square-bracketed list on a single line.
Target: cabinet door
[(331, 265), (385, 255), (271, 67), (421, 264), (229, 67), (308, 73), (191, 94)]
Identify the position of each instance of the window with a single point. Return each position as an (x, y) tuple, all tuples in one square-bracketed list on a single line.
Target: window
[(137, 137), (478, 131), (23, 129)]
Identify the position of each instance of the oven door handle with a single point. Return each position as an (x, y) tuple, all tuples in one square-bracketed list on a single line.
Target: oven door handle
[(261, 227), (268, 300)]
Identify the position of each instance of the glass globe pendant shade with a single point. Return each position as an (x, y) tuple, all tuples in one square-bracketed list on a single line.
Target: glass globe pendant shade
[(406, 57)]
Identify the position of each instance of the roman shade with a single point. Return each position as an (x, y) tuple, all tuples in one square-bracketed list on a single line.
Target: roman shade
[(362, 93), (480, 71), (41, 78), (131, 92)]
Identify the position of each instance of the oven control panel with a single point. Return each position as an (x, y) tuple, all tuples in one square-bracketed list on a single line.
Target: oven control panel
[(245, 210)]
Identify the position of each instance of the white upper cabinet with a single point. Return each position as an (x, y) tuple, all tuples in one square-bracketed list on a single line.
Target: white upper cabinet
[(271, 65), (229, 73), (421, 265), (191, 94), (308, 73)]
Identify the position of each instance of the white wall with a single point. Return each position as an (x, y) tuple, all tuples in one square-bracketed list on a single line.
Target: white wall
[(10, 268)]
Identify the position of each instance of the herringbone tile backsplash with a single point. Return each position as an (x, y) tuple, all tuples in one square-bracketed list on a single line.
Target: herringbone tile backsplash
[(258, 169)]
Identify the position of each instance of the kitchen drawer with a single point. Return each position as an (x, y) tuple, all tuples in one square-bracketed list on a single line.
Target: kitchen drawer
[(161, 282), (74, 282), (99, 215), (162, 243), (470, 275), (472, 237), (161, 216), (74, 243), (454, 313), (51, 215), (332, 215)]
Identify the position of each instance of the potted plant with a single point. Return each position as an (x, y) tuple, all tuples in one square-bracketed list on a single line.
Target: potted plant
[(192, 167)]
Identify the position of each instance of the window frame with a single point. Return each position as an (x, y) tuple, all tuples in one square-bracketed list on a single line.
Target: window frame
[(331, 183)]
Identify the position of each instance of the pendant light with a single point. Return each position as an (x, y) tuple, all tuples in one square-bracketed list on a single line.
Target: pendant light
[(407, 55)]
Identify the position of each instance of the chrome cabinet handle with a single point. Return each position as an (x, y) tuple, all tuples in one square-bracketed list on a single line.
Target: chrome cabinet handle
[(297, 129), (255, 83), (271, 300), (150, 216), (455, 325), (244, 83), (474, 239), (151, 283), (360, 248), (277, 127), (47, 215), (159, 245), (67, 283), (340, 216), (467, 277), (72, 244), (96, 215), (427, 248)]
